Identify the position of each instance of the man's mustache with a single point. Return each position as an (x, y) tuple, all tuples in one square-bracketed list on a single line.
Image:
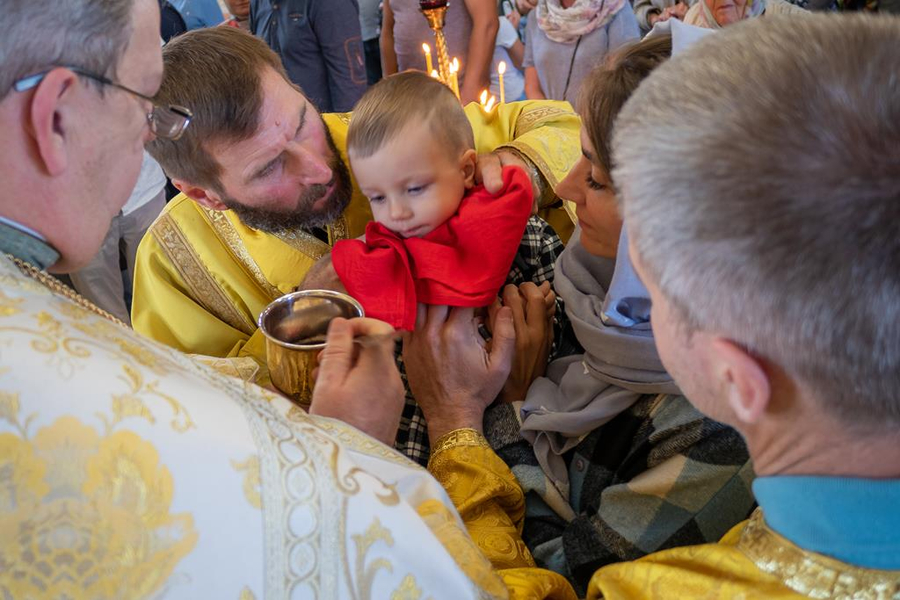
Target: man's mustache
[(318, 190)]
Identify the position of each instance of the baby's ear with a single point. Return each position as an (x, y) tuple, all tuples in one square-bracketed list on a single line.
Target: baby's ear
[(467, 165)]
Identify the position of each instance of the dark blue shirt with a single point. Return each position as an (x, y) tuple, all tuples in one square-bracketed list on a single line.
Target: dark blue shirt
[(320, 46)]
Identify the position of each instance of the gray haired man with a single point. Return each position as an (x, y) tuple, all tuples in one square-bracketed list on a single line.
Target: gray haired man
[(772, 256)]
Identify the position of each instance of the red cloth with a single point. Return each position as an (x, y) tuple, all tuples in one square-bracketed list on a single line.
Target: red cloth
[(463, 262)]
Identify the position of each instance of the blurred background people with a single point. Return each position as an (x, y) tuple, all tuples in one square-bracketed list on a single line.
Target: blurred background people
[(649, 12), (470, 28), (370, 28), (565, 39), (510, 50), (107, 279), (239, 11), (320, 45)]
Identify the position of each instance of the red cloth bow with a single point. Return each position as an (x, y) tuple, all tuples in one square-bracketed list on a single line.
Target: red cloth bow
[(463, 262)]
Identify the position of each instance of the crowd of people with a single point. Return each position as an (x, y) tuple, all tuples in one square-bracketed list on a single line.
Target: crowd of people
[(633, 333)]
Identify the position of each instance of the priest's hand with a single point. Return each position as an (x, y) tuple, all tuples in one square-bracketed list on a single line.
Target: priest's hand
[(359, 383), (489, 172), (453, 373), (532, 308)]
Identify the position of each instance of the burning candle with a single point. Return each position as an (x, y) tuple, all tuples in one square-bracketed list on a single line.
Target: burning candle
[(435, 74), (501, 69), (454, 80), (427, 50), (487, 104)]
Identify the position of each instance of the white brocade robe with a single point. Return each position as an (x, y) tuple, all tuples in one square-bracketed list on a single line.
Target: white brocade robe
[(129, 470)]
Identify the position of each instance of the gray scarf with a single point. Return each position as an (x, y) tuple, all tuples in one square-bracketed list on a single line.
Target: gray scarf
[(610, 313)]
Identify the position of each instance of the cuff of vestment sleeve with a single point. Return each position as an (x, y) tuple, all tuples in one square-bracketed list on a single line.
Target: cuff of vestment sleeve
[(465, 436), (544, 194)]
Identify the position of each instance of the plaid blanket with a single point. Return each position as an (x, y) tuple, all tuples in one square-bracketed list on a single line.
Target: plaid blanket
[(534, 261), (658, 475)]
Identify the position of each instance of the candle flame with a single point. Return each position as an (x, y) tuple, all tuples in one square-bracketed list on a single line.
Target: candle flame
[(434, 74), (501, 68), (490, 104), (484, 97), (454, 65), (426, 48)]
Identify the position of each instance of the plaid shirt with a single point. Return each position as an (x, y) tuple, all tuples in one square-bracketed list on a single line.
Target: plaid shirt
[(534, 262), (656, 476)]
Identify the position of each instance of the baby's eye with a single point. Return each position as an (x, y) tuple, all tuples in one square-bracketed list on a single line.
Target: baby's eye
[(376, 199), (416, 189)]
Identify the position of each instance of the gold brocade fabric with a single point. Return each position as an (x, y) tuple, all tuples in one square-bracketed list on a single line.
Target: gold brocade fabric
[(128, 469), (490, 501), (102, 525), (202, 278), (750, 562)]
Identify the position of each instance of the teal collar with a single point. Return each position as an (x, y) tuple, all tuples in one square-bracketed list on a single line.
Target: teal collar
[(856, 521), (26, 244)]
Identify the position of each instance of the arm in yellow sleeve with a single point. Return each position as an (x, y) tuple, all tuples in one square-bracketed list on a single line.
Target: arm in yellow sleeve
[(492, 505), (545, 133), (165, 309)]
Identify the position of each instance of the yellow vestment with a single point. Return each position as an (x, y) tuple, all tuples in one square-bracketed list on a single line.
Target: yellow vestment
[(202, 277), (129, 470), (750, 562)]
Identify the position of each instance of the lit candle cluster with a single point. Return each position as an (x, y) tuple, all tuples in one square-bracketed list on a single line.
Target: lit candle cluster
[(488, 101), (452, 78)]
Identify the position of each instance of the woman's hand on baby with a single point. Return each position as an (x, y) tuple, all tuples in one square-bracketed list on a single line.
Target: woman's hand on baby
[(532, 308)]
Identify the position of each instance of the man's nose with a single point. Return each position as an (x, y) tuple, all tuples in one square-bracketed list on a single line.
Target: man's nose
[(314, 168)]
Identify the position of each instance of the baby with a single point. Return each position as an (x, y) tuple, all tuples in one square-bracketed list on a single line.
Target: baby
[(437, 238)]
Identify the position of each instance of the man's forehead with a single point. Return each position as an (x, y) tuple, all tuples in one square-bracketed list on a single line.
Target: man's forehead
[(280, 112)]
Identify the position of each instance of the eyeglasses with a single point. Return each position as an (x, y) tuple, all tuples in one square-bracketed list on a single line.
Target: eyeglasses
[(167, 122)]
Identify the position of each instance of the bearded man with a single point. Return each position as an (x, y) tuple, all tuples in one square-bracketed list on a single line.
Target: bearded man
[(266, 190)]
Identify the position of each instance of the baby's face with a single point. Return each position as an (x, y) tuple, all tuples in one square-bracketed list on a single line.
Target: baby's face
[(412, 183)]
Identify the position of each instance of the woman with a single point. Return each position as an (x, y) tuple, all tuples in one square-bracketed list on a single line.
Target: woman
[(614, 462), (565, 39), (715, 14)]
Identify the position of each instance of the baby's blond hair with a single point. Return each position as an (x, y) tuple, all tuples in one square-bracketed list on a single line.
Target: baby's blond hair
[(400, 100)]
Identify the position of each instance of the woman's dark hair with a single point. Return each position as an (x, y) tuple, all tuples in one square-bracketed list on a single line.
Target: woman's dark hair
[(605, 91)]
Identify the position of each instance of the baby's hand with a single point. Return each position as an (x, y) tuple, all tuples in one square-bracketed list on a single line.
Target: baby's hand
[(322, 276)]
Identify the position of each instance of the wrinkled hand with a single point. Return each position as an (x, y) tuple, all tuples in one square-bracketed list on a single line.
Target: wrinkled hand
[(677, 12), (532, 308), (453, 373), (322, 276), (359, 385), (489, 172)]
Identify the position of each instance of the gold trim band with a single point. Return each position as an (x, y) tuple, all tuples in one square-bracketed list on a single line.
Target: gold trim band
[(202, 287)]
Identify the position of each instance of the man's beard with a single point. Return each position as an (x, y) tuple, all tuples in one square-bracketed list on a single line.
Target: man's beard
[(303, 216)]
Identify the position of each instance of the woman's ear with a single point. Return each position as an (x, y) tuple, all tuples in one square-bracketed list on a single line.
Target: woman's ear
[(744, 380), (50, 117), (467, 165)]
